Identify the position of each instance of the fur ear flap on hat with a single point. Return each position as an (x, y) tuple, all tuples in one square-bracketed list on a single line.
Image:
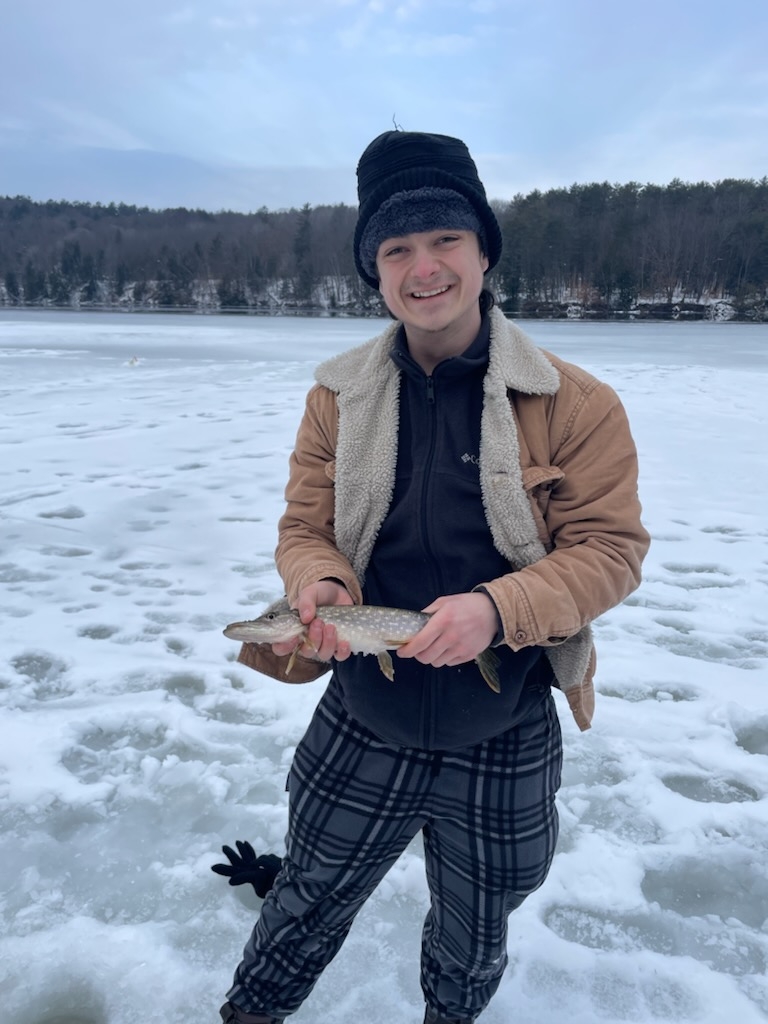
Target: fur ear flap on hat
[(406, 165)]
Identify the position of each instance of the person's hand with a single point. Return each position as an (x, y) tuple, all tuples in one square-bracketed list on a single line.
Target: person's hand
[(244, 866), (321, 643), (461, 627)]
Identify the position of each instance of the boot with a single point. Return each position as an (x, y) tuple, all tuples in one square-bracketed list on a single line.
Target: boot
[(433, 1017), (230, 1014)]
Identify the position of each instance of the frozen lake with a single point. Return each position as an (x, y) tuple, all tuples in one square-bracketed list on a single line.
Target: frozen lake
[(143, 459)]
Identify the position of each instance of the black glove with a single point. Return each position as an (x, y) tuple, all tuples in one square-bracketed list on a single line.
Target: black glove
[(245, 866)]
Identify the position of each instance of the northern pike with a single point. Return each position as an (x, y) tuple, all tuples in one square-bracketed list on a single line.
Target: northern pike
[(367, 628)]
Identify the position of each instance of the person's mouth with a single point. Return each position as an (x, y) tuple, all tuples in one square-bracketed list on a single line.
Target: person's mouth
[(430, 293)]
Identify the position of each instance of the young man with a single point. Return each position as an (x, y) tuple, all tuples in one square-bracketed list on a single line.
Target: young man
[(447, 465)]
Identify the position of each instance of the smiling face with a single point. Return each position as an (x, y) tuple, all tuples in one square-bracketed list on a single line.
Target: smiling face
[(431, 281)]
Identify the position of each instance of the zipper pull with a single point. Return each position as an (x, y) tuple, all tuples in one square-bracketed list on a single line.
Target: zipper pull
[(430, 390)]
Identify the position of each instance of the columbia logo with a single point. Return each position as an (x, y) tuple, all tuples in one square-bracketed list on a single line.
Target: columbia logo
[(466, 457)]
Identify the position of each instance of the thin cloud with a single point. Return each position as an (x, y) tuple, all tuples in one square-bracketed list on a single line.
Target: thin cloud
[(79, 127), (424, 46)]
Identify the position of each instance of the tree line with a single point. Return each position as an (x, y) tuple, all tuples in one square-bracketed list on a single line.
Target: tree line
[(597, 250)]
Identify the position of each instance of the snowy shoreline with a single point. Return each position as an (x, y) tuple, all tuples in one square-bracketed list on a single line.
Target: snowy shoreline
[(716, 310)]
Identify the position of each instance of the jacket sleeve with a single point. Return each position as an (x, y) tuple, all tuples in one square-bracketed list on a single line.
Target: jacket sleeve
[(306, 549), (590, 520)]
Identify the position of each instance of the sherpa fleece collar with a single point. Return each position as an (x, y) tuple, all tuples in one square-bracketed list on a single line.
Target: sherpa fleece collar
[(515, 362)]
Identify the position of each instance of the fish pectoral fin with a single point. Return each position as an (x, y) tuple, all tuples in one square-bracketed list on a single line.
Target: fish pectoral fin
[(488, 663), (385, 664), (295, 654)]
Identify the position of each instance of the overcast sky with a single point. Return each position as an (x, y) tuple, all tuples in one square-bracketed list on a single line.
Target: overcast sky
[(246, 103)]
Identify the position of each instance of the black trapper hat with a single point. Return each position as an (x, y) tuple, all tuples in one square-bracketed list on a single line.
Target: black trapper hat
[(447, 193)]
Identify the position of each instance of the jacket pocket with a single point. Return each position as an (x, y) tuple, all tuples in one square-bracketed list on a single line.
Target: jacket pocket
[(539, 482)]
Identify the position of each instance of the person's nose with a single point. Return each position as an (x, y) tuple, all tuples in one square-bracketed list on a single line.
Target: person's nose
[(425, 263)]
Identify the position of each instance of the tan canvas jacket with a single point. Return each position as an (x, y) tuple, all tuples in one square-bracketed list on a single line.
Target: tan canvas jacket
[(558, 471)]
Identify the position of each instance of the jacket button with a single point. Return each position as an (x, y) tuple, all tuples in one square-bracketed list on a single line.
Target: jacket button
[(520, 635)]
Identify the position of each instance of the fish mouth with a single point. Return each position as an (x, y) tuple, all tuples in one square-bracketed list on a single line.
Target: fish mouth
[(237, 631)]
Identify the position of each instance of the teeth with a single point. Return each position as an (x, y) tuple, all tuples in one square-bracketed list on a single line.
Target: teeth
[(428, 295)]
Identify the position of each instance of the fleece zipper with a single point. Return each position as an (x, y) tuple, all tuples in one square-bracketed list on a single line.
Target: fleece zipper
[(428, 709)]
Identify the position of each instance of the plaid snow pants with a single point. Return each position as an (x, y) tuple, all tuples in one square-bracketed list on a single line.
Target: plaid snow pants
[(489, 822)]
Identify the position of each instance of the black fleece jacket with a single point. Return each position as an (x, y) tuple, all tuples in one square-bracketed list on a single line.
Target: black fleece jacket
[(436, 541)]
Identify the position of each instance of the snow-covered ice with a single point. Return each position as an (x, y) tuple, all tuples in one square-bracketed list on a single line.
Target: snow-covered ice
[(142, 461)]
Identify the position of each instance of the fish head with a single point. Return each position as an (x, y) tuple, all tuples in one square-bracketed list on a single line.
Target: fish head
[(276, 624)]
